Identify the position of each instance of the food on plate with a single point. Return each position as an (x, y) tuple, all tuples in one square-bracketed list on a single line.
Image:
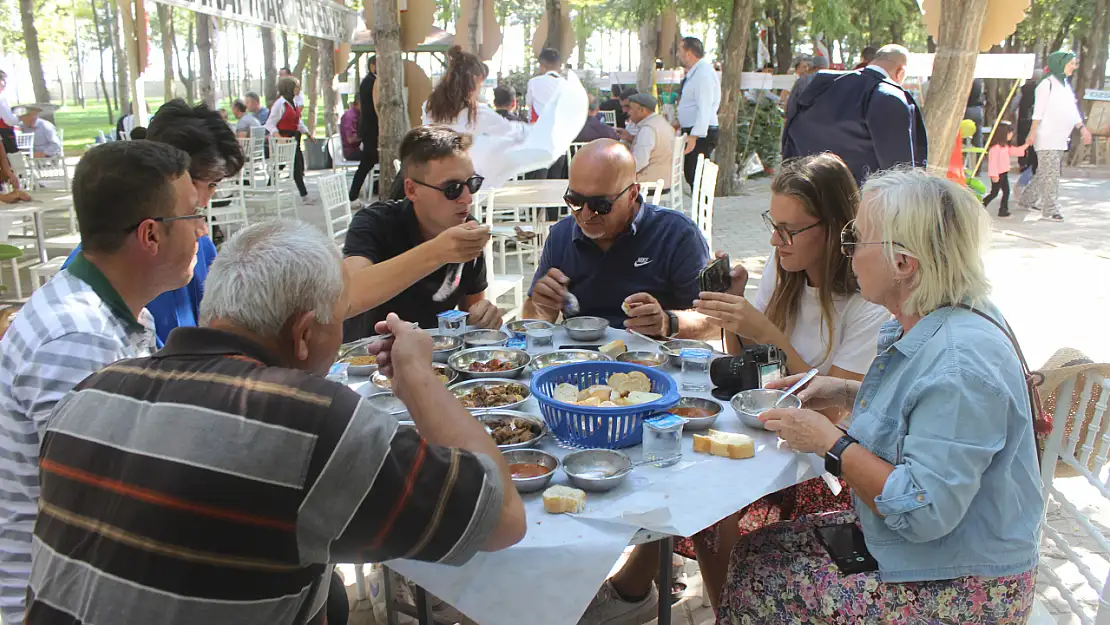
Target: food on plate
[(493, 396), (725, 444), (560, 499), (381, 381), (692, 412), (361, 361), (601, 392), (622, 389), (646, 363), (613, 349), (510, 431), (491, 366), (627, 382), (528, 469)]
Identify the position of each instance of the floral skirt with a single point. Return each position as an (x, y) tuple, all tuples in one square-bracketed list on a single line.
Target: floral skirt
[(781, 574), (809, 497)]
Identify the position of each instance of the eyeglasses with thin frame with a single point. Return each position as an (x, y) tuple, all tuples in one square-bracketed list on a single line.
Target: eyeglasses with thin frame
[(849, 240), (166, 220), (453, 189), (600, 204), (784, 233)]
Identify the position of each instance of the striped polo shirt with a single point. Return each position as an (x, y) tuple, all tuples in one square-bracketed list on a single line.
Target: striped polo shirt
[(70, 328), (208, 484)]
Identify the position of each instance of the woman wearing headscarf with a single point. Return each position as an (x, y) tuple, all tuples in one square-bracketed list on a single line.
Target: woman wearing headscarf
[(1055, 115)]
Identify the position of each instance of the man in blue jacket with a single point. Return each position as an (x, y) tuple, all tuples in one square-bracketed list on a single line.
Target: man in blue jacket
[(864, 116), (214, 154)]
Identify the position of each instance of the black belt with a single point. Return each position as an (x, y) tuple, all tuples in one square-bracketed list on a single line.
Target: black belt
[(687, 129)]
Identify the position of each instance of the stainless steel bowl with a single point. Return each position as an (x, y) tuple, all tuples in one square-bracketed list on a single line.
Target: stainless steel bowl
[(389, 403), (751, 403), (463, 388), (379, 380), (353, 349), (536, 424), (647, 359), (597, 470), (565, 357), (519, 327), (461, 361), (532, 456), (698, 423), (485, 338), (586, 328), (443, 346), (673, 350)]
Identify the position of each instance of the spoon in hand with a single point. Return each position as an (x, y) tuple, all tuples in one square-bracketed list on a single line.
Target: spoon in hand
[(812, 373)]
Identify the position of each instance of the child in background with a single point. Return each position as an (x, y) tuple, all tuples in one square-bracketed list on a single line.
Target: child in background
[(998, 166)]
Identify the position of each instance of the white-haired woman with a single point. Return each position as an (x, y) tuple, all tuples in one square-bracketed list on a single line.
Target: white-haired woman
[(940, 454)]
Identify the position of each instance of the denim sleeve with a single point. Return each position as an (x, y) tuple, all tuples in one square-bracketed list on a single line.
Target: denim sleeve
[(956, 426)]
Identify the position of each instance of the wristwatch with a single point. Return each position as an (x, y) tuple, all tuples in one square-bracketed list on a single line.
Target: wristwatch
[(673, 324), (832, 457)]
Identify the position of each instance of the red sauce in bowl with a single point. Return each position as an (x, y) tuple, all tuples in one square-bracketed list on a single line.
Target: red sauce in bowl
[(692, 412), (528, 469)]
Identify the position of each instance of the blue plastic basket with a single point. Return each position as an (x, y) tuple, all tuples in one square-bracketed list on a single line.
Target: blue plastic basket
[(590, 426)]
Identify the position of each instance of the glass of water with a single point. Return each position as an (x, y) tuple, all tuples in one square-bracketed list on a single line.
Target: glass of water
[(663, 440), (695, 369)]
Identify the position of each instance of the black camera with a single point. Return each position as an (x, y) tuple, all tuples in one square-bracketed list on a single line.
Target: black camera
[(758, 365)]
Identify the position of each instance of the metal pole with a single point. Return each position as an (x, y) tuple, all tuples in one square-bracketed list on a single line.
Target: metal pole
[(994, 128), (666, 579)]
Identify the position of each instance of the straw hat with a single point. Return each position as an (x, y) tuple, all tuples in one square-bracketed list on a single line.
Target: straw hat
[(1067, 362)]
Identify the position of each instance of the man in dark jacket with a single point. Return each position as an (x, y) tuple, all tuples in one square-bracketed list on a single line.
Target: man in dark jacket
[(367, 128), (864, 116)]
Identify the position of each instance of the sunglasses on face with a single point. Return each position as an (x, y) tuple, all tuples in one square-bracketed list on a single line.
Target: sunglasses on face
[(849, 240), (785, 234), (453, 189), (600, 204)]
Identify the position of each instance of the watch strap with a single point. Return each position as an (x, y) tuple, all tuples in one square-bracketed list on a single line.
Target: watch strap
[(833, 456), (673, 324)]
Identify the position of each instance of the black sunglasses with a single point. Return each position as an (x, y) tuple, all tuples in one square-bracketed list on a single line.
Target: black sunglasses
[(784, 233), (600, 204), (849, 240), (166, 220), (454, 188)]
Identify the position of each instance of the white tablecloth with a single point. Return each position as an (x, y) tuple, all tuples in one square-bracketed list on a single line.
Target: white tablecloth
[(552, 574)]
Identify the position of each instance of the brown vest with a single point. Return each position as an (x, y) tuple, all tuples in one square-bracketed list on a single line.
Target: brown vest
[(659, 164)]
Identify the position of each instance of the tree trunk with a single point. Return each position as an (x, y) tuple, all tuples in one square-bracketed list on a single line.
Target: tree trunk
[(1065, 27), (307, 50), (392, 116), (554, 9), (122, 77), (735, 46), (1081, 81), (34, 57), (961, 22), (285, 49), (131, 44), (269, 66), (188, 80), (204, 51), (309, 86), (100, 54), (645, 74), (474, 25), (784, 37), (165, 18), (328, 87), (79, 73)]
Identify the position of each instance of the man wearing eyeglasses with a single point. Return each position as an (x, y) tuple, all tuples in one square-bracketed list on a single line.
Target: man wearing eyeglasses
[(136, 209), (630, 262), (422, 255)]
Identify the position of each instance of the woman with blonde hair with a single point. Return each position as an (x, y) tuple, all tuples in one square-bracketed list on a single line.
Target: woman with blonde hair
[(285, 121), (940, 454)]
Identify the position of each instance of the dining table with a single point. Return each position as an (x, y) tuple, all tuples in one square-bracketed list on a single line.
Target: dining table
[(42, 201), (554, 572)]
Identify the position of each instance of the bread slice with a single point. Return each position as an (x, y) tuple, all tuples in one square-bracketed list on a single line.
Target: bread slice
[(613, 349), (725, 444), (560, 499)]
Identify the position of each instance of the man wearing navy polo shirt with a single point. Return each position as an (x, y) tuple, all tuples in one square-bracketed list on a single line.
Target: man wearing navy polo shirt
[(617, 253)]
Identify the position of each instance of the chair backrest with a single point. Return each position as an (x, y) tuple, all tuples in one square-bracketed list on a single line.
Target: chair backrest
[(706, 184), (610, 117), (678, 177), (282, 151), (652, 191), (572, 149), (1078, 446), (335, 150), (25, 141), (336, 206), (125, 135)]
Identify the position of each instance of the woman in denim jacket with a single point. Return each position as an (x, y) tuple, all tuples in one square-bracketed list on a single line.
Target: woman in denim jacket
[(940, 454)]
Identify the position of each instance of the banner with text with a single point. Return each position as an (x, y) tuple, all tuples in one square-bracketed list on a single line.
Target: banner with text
[(315, 18)]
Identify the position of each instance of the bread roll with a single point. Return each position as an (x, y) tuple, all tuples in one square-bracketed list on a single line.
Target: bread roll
[(561, 499), (725, 444)]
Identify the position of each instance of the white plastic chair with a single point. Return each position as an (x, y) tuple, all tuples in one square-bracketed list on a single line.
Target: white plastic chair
[(338, 161), (705, 190), (499, 282), (275, 196), (678, 177), (609, 117), (652, 191), (125, 135), (49, 169), (25, 141), (1080, 440), (335, 206), (20, 163), (572, 149)]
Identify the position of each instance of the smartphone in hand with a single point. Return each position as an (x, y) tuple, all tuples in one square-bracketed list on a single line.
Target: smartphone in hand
[(716, 277)]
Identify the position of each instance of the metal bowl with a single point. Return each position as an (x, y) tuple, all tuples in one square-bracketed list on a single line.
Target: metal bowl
[(463, 388), (485, 338), (389, 403), (520, 327), (355, 349), (597, 470), (379, 380), (537, 425), (461, 361), (586, 328), (698, 423), (751, 403), (532, 456), (673, 350), (565, 357), (443, 346), (647, 359)]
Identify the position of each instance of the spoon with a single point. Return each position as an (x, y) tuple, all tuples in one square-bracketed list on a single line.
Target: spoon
[(812, 373), (571, 307), (644, 336)]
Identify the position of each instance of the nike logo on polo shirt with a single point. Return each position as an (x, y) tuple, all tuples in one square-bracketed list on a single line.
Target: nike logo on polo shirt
[(641, 261)]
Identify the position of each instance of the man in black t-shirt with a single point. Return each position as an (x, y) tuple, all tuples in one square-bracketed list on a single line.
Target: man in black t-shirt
[(424, 254)]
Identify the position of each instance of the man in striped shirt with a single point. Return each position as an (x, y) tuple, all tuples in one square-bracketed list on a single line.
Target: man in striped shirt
[(136, 209), (214, 482)]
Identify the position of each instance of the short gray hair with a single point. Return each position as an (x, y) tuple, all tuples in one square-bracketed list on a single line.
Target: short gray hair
[(942, 225), (270, 272), (892, 53)]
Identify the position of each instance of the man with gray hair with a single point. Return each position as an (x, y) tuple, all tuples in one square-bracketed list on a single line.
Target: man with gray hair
[(813, 65), (864, 116), (215, 481)]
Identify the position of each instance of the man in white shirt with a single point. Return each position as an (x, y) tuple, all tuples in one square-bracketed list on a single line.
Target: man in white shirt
[(653, 145), (47, 143), (697, 107), (542, 88)]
